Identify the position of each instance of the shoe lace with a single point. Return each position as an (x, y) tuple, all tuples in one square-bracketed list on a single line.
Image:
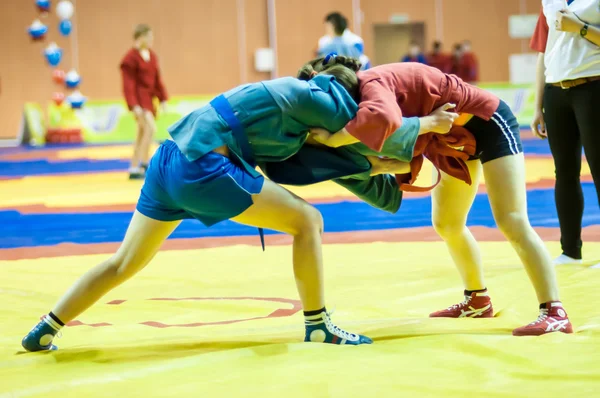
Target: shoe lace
[(462, 304), (542, 317), (336, 330)]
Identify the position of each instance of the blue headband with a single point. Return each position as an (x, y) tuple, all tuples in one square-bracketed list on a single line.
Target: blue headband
[(328, 58)]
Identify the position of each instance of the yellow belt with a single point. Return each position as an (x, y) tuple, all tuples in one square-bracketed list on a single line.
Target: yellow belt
[(463, 118)]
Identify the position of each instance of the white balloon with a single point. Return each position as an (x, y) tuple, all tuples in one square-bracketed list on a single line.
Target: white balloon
[(72, 75), (76, 96), (65, 9), (52, 47)]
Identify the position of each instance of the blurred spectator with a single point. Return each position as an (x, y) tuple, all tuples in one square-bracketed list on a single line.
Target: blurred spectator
[(335, 41), (340, 40), (439, 59), (467, 66), (414, 54), (455, 58), (141, 84)]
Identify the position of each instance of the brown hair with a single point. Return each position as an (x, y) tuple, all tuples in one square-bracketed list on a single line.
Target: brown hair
[(342, 68), (140, 30)]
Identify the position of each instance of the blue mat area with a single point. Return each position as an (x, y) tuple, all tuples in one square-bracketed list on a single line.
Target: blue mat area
[(44, 167), (51, 229), (536, 147), (57, 146)]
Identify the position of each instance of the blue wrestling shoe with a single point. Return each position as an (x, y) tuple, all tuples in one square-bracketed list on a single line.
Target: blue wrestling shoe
[(40, 337), (320, 329)]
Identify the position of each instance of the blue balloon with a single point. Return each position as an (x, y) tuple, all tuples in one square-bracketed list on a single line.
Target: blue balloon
[(65, 27), (76, 100), (72, 83), (54, 57), (38, 32), (77, 104)]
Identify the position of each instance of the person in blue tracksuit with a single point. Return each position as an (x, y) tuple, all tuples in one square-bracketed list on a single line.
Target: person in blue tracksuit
[(340, 40), (207, 172)]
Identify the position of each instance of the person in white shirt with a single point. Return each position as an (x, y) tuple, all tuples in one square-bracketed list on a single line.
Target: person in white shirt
[(567, 99), (340, 40)]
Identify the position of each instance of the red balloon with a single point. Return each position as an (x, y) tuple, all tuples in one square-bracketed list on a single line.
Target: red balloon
[(58, 76), (58, 98)]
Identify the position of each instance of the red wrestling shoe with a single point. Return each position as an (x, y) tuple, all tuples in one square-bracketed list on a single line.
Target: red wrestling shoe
[(553, 318), (477, 305)]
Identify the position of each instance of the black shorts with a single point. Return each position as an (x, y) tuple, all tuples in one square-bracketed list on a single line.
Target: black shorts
[(497, 137)]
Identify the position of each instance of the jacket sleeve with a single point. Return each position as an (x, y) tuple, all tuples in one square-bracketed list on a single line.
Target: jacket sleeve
[(378, 116), (311, 165), (540, 35), (380, 191), (322, 102), (159, 87), (128, 72), (345, 167), (400, 145)]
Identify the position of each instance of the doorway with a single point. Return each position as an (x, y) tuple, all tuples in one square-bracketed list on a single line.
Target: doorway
[(392, 40)]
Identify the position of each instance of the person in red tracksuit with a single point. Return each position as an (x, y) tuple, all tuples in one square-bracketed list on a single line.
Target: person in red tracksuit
[(438, 59), (141, 83), (390, 92), (468, 65)]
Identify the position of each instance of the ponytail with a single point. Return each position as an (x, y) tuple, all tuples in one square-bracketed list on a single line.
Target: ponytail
[(334, 59), (322, 64), (307, 72), (342, 68)]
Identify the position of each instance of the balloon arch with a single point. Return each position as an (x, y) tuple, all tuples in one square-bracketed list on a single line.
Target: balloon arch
[(69, 94)]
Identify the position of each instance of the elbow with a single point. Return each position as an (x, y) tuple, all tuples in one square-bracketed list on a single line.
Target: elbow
[(395, 204), (384, 120), (392, 122)]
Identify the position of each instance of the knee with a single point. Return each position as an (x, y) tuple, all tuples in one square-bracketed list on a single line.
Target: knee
[(514, 226), (308, 222), (150, 129), (150, 125), (567, 174), (117, 268), (448, 228)]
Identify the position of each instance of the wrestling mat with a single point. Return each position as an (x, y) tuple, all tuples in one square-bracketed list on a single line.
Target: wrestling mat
[(214, 316)]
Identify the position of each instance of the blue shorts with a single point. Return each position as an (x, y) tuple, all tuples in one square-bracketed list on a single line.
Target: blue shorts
[(498, 137), (210, 189)]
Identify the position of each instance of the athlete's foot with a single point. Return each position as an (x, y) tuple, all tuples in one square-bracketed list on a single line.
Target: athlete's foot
[(553, 318), (563, 259), (320, 329), (137, 173), (40, 337), (476, 305)]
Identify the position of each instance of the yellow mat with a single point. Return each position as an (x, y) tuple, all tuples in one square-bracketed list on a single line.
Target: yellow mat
[(383, 290), (113, 188), (99, 152)]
